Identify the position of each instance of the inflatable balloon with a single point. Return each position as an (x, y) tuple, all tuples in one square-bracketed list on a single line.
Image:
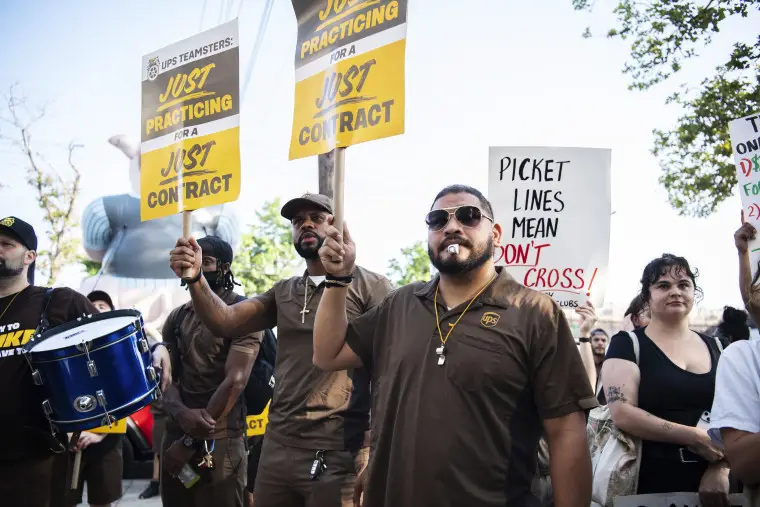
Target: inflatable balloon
[(135, 254)]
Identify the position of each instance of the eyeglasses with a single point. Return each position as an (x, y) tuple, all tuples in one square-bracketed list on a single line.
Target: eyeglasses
[(468, 216)]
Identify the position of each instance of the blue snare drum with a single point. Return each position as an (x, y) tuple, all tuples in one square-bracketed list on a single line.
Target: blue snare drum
[(93, 371)]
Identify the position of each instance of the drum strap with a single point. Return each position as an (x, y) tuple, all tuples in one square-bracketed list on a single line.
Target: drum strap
[(56, 443), (177, 350), (44, 324)]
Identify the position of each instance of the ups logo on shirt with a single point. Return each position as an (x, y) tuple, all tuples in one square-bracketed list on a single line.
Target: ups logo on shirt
[(489, 319)]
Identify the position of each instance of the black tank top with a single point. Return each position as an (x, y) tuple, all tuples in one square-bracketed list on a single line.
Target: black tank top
[(666, 390)]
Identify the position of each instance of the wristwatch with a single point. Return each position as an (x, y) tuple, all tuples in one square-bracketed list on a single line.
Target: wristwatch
[(584, 340), (188, 441)]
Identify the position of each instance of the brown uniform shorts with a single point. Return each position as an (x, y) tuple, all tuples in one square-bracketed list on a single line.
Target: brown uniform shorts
[(222, 487), (159, 428), (254, 455), (283, 477), (103, 472)]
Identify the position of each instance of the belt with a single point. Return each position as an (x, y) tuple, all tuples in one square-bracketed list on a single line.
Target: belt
[(672, 453), (687, 456)]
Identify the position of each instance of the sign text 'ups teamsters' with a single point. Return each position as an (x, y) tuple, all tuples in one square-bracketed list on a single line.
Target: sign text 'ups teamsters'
[(554, 207), (349, 73), (190, 150)]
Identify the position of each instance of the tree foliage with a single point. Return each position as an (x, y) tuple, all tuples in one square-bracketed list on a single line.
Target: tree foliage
[(695, 154), (56, 188), (91, 268), (266, 254), (413, 265)]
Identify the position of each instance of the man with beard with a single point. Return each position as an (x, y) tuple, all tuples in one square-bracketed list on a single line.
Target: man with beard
[(207, 413), (598, 339), (27, 451), (467, 371), (317, 437)]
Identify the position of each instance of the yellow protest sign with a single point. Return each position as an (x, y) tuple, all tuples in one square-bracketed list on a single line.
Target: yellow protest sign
[(257, 424), (349, 73), (117, 427), (190, 127)]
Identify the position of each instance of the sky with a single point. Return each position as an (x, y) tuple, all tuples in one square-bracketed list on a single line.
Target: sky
[(478, 73)]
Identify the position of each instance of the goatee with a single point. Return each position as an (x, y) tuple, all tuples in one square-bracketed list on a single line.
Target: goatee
[(309, 253), (7, 271), (454, 266)]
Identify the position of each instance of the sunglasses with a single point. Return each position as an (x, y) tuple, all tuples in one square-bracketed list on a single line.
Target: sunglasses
[(468, 216)]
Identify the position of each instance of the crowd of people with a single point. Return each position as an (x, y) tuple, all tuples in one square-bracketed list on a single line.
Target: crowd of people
[(466, 390)]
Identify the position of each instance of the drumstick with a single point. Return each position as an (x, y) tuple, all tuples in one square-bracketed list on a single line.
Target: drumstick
[(77, 461), (75, 472)]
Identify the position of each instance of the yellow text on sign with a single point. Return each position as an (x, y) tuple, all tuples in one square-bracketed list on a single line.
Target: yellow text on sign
[(117, 427), (257, 424), (358, 99), (191, 174)]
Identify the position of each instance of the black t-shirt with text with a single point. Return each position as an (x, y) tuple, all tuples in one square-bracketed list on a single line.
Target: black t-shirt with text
[(23, 426)]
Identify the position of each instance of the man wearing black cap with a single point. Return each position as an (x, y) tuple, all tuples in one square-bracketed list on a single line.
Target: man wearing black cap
[(206, 411), (26, 456), (318, 432)]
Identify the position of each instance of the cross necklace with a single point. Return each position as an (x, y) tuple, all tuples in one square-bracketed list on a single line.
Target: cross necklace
[(306, 300), (441, 350)]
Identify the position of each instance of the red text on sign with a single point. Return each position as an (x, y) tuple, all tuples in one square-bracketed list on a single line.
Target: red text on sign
[(516, 254), (558, 279)]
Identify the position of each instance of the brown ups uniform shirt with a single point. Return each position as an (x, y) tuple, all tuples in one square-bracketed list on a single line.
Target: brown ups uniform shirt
[(310, 408), (465, 433), (203, 358)]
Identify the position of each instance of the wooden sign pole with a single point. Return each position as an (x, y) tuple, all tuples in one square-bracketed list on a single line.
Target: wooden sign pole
[(338, 188), (187, 217)]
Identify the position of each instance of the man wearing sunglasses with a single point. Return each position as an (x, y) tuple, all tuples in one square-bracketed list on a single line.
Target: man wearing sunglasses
[(318, 433), (467, 371)]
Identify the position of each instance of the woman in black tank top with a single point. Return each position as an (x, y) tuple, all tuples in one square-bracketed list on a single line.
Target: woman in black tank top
[(663, 399)]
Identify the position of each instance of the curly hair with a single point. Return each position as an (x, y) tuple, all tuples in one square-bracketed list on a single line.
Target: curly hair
[(662, 265), (227, 278)]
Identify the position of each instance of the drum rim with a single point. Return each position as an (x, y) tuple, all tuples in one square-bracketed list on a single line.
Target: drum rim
[(135, 401), (78, 322)]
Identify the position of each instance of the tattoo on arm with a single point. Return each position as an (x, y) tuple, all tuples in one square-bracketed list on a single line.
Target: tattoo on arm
[(666, 425), (615, 394)]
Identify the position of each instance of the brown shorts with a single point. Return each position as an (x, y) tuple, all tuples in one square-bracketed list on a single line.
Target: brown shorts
[(33, 483), (283, 477), (254, 455), (222, 487), (103, 472), (159, 428)]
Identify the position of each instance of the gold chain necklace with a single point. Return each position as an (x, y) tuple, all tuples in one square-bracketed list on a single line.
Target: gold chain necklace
[(441, 351), (9, 304)]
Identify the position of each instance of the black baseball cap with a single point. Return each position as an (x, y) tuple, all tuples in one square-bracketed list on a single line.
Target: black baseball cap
[(293, 206), (99, 295), (23, 232)]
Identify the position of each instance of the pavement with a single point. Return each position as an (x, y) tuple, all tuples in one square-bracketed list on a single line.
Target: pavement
[(131, 489)]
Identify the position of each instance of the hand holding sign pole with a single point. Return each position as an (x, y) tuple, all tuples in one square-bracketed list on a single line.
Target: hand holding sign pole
[(187, 220)]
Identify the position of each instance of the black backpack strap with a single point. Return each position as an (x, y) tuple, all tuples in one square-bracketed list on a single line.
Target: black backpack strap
[(44, 324), (176, 351)]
